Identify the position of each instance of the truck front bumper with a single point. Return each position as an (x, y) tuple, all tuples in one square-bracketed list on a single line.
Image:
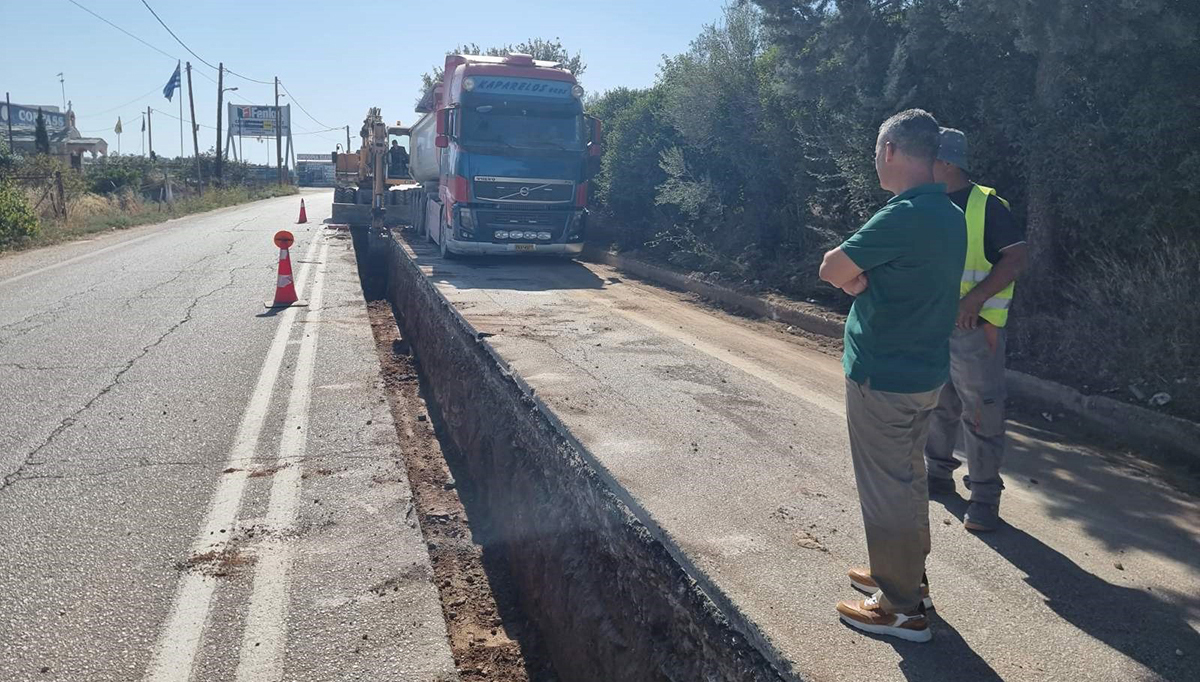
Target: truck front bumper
[(470, 248)]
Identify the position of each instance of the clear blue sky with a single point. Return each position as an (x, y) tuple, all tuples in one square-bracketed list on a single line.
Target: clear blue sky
[(315, 49)]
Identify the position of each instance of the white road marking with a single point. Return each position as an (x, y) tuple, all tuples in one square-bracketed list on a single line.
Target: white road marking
[(265, 635), (76, 259), (179, 642)]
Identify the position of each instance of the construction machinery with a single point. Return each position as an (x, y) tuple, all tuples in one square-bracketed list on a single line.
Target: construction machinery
[(368, 191)]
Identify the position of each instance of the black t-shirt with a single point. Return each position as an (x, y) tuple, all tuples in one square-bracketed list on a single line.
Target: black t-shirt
[(1000, 230)]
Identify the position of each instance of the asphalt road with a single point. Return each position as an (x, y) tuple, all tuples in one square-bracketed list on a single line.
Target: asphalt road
[(730, 436), (191, 488)]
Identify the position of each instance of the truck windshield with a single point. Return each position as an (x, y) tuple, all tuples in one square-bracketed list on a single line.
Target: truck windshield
[(525, 128)]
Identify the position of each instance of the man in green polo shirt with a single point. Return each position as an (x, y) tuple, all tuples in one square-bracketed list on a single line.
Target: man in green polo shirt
[(904, 268)]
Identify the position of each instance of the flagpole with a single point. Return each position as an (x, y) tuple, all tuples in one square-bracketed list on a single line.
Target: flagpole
[(182, 155)]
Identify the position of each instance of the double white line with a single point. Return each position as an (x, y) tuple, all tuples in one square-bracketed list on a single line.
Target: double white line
[(261, 658)]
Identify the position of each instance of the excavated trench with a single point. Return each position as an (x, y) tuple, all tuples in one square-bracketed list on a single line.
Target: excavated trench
[(608, 600)]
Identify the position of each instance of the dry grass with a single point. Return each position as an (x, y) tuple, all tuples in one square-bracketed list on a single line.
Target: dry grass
[(91, 213), (1127, 322)]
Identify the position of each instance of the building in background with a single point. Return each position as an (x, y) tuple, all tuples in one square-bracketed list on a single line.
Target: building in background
[(66, 142), (315, 170)]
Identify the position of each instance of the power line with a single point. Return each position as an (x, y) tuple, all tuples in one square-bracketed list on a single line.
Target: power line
[(193, 53), (139, 97), (162, 52), (160, 111), (247, 78), (289, 94), (164, 25)]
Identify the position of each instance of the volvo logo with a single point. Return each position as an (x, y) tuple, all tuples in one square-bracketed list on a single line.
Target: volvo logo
[(524, 191)]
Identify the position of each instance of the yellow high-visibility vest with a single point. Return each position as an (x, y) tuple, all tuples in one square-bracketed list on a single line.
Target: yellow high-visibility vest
[(977, 267)]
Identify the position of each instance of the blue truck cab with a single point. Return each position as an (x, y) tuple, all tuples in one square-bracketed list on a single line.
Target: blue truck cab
[(504, 154)]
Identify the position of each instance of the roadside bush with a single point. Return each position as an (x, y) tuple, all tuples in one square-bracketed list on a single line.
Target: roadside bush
[(17, 220), (1129, 320)]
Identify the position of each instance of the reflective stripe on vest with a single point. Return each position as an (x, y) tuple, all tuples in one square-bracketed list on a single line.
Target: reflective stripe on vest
[(977, 267)]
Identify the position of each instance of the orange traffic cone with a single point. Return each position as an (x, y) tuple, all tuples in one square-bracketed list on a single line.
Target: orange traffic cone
[(303, 215), (285, 287)]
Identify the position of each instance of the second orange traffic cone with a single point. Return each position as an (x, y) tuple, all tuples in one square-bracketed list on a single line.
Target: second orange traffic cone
[(303, 215)]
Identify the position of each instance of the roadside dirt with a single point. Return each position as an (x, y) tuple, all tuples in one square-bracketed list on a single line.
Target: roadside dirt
[(490, 636)]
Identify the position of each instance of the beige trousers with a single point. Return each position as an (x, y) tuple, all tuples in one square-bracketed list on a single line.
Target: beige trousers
[(887, 444)]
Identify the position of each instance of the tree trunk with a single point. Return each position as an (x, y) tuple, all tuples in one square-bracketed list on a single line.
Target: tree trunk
[(1038, 282)]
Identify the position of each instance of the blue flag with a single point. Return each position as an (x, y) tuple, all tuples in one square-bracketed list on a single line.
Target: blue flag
[(169, 90)]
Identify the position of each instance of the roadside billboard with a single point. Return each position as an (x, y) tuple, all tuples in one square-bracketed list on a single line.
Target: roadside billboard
[(24, 119), (258, 120)]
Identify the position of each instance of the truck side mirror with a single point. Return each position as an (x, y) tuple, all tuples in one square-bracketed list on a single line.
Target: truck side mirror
[(442, 115), (595, 145), (441, 141), (333, 157)]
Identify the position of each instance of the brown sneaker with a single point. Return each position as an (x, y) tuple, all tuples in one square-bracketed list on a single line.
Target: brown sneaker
[(867, 615), (861, 580)]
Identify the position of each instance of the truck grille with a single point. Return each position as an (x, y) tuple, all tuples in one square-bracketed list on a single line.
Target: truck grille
[(528, 190), (540, 221)]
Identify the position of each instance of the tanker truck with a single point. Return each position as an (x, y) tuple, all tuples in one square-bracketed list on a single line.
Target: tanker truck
[(502, 157)]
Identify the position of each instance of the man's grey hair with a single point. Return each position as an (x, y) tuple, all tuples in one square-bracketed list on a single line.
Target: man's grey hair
[(914, 132)]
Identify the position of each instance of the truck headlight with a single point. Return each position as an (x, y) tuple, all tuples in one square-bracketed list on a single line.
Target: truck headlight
[(468, 84), (466, 219), (575, 225), (544, 236), (576, 90), (501, 234)]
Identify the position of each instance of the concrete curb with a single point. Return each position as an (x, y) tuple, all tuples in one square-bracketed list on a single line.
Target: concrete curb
[(1113, 417)]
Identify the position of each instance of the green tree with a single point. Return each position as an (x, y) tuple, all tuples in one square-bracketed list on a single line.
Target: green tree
[(538, 48), (1083, 53), (636, 135), (41, 139)]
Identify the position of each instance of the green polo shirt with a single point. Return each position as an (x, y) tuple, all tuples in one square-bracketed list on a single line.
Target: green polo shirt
[(898, 332)]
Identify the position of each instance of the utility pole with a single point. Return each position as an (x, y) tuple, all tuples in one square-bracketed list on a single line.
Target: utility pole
[(63, 84), (347, 139), (278, 136), (150, 131), (195, 138), (220, 95), (8, 105)]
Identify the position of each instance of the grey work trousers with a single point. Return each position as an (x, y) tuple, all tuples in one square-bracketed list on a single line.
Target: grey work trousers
[(973, 403), (887, 439)]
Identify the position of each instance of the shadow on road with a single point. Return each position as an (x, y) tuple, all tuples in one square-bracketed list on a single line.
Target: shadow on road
[(947, 657), (1135, 622), (513, 273)]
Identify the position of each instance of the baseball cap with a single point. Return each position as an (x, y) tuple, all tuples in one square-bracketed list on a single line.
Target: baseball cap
[(952, 147)]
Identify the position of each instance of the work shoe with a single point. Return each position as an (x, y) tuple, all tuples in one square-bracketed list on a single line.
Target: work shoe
[(861, 580), (941, 486), (982, 517), (868, 615)]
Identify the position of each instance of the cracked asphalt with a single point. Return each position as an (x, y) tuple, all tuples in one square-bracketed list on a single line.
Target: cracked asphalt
[(126, 365)]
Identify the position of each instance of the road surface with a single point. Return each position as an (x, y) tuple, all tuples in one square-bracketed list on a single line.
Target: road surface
[(187, 481), (730, 435)]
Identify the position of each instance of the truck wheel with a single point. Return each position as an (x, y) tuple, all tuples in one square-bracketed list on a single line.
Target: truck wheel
[(419, 216)]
